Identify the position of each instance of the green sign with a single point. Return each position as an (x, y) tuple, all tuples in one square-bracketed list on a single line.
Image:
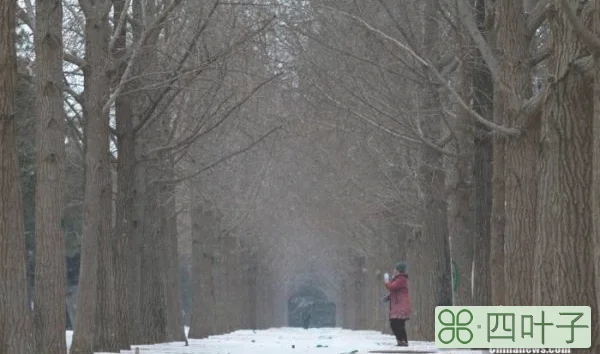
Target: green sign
[(465, 327)]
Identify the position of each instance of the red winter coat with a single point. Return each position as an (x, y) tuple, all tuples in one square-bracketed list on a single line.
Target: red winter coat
[(399, 298)]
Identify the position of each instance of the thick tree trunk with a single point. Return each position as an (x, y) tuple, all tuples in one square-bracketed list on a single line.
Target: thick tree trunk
[(595, 202), (202, 322), (359, 280), (520, 154), (123, 233), (138, 200), (16, 332), (218, 277), (136, 246), (50, 272), (483, 91), (429, 259), (252, 288), (460, 201), (175, 329), (153, 305), (460, 225), (563, 249), (498, 219), (96, 315)]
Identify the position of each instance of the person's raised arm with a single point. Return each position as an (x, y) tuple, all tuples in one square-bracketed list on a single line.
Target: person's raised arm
[(396, 284)]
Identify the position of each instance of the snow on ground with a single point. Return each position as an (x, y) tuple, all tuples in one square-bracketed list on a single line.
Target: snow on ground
[(288, 341)]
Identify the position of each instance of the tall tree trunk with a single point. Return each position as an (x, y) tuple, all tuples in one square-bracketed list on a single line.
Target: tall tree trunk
[(202, 323), (563, 249), (252, 280), (483, 91), (137, 245), (595, 202), (123, 252), (429, 259), (230, 281), (175, 329), (460, 224), (16, 332), (138, 199), (152, 290), (218, 277), (50, 272), (498, 216), (460, 201), (96, 315), (520, 154)]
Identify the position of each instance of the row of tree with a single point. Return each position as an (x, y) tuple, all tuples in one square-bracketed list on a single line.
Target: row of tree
[(130, 87), (497, 99), (457, 134)]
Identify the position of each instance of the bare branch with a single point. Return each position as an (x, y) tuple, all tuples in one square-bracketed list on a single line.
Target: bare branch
[(29, 7), (532, 108), (371, 121), (585, 65), (540, 57), (588, 37), (537, 16), (86, 6), (26, 17), (466, 17), (198, 133), (148, 114), (437, 74), (223, 159), (73, 59), (137, 50), (121, 23)]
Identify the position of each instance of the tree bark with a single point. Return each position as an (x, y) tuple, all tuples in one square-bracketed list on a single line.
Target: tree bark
[(123, 234), (138, 199), (50, 272), (175, 329), (563, 250), (460, 202), (429, 259), (152, 291), (16, 332), (498, 219), (520, 154), (202, 323), (252, 288), (96, 315), (137, 246), (483, 91), (595, 201), (218, 278)]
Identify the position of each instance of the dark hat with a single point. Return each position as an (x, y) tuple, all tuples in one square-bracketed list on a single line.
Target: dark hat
[(401, 267)]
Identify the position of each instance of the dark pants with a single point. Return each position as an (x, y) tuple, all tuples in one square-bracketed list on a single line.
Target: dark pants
[(399, 329), (305, 322)]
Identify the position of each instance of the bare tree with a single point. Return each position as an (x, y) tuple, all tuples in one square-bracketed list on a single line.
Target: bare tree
[(520, 153), (564, 188), (96, 315), (125, 182), (50, 276), (16, 332), (482, 87)]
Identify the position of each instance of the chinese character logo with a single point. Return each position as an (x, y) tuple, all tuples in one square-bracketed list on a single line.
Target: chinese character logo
[(456, 326)]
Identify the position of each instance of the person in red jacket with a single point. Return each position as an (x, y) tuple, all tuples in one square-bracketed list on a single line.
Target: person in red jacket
[(400, 308)]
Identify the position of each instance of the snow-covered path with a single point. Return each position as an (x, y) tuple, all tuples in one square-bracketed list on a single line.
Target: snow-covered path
[(287, 341)]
